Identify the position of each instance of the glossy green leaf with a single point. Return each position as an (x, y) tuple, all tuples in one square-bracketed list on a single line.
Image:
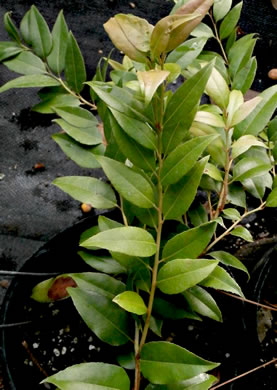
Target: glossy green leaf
[(202, 303), (202, 30), (230, 41), (99, 283), (40, 291), (245, 77), (209, 118), (25, 27), (88, 190), (272, 130), (248, 168), (178, 275), (212, 171), (257, 186), (56, 59), (81, 155), (11, 28), (88, 233), (243, 233), (37, 80), (186, 53), (244, 143), (130, 34), (9, 49), (218, 89), (244, 110), (221, 280), (129, 240), (130, 184), (139, 131), (85, 135), (104, 264), (105, 223), (106, 319), (77, 116), (131, 302), (235, 102), (199, 382), (232, 214), (127, 360), (229, 260), (230, 21), (137, 154), (260, 116), (166, 363), (271, 200), (169, 310), (90, 376), (236, 195), (150, 81), (178, 197), (39, 34), (48, 106), (240, 53), (190, 243), (75, 71), (129, 262), (183, 158), (198, 215), (181, 108), (156, 325), (221, 8), (26, 63)]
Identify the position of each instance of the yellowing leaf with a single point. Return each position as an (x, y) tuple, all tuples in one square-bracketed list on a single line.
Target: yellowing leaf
[(217, 89), (244, 143), (131, 301), (235, 101), (244, 110), (209, 118), (150, 81)]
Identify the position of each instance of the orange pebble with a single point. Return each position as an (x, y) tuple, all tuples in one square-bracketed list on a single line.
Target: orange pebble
[(86, 208)]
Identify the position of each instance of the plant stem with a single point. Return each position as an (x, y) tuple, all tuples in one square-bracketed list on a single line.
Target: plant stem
[(249, 301), (244, 374), (122, 212), (78, 96), (218, 39), (261, 207), (137, 358)]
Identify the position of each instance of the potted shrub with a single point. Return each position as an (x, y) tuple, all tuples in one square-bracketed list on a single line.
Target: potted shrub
[(158, 146)]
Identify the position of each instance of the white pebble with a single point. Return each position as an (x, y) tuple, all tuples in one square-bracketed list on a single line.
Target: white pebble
[(75, 340), (227, 355), (56, 352), (35, 345), (190, 327), (64, 350), (91, 347)]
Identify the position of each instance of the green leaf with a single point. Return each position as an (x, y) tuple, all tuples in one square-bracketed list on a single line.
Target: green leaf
[(217, 88), (107, 320), (209, 118), (150, 81), (131, 185), (166, 363), (10, 28), (99, 283), (244, 110), (105, 223), (39, 34), (271, 200), (231, 214), (88, 233), (9, 49), (131, 301), (137, 154), (127, 360), (48, 105), (130, 34), (244, 143), (104, 264), (155, 325), (190, 243), (178, 197), (260, 116), (243, 233), (181, 107), (146, 216), (183, 158), (75, 71), (90, 376), (221, 9), (129, 240), (199, 382), (248, 168), (236, 195), (85, 135), (230, 21), (169, 310), (139, 131), (221, 280), (40, 291), (26, 63), (229, 260), (129, 262), (178, 275), (245, 77), (25, 27), (198, 215), (84, 157), (187, 52), (202, 30), (56, 59), (212, 171), (37, 80), (202, 303), (77, 116), (88, 190), (257, 186), (240, 53)]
